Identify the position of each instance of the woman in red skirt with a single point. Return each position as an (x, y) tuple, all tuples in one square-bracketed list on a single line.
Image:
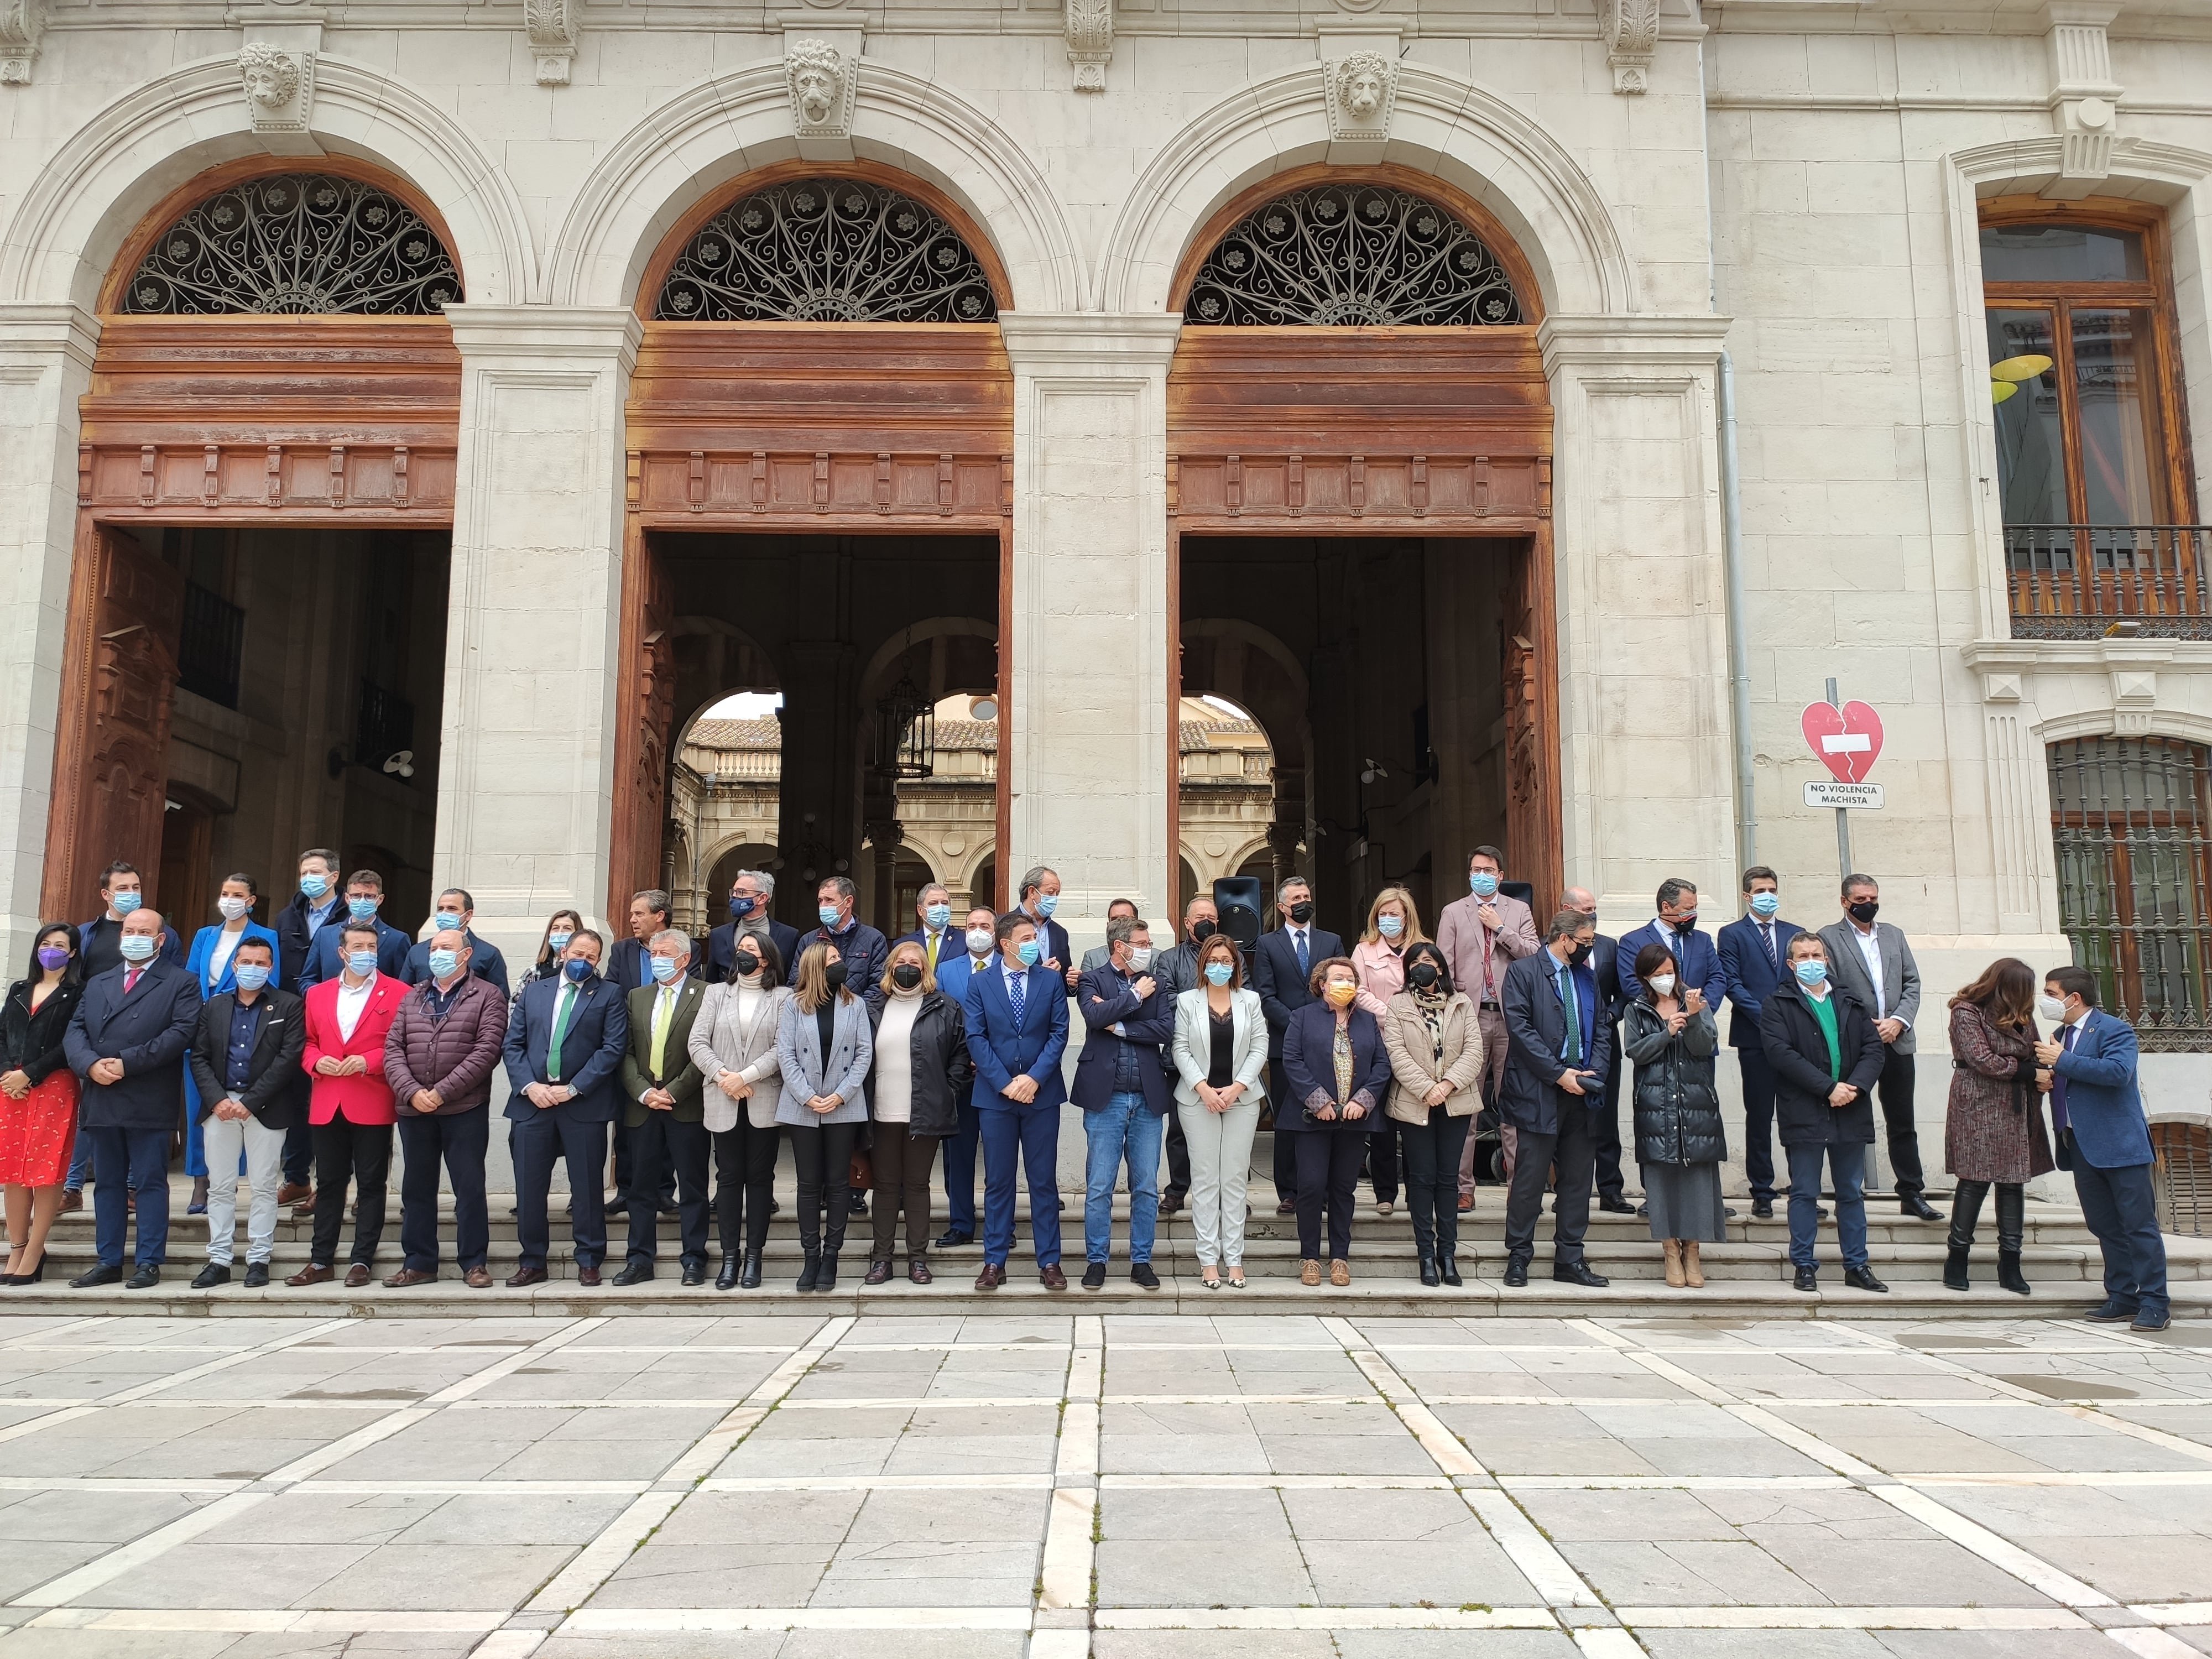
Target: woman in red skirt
[(37, 1098)]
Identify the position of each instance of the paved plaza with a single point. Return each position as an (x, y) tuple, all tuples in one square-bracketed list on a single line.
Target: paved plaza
[(1231, 1485)]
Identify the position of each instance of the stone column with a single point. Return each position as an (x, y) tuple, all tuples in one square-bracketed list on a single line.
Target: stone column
[(1646, 767), (46, 366), (527, 777), (1089, 628)]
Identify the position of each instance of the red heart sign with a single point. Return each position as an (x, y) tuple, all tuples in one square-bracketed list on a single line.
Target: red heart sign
[(1847, 740)]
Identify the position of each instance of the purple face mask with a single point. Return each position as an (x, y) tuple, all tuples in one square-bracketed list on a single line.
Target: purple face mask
[(51, 956)]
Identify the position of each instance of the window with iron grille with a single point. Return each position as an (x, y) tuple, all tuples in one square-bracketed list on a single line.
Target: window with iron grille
[(210, 645), (2129, 819)]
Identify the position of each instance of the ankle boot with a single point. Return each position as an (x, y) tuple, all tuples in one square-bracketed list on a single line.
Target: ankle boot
[(750, 1279), (825, 1278), (1691, 1270), (1448, 1266), (727, 1280), (1675, 1278), (2011, 1221), (1966, 1210), (811, 1270), (1428, 1270)]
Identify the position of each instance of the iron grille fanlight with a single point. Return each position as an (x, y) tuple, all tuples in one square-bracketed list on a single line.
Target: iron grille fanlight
[(906, 732)]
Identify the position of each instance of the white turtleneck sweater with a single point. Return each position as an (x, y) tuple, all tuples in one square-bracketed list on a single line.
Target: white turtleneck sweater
[(893, 1096)]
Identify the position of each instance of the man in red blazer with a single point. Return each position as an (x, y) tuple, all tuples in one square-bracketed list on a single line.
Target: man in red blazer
[(349, 1103)]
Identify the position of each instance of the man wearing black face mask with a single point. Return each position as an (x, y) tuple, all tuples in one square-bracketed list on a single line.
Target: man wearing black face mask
[(1871, 961), (1561, 1049), (751, 892), (1282, 967)]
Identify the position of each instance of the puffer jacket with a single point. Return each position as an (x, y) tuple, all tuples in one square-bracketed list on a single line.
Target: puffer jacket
[(454, 1055), (942, 1072), (1678, 1112)]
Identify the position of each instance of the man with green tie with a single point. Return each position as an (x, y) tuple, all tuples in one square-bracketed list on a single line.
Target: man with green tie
[(667, 1113)]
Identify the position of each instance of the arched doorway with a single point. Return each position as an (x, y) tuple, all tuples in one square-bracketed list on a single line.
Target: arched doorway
[(255, 654), (820, 429), (1359, 441)]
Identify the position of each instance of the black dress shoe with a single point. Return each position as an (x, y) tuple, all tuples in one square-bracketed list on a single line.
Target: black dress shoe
[(1516, 1271), (1170, 1203), (750, 1279), (2110, 1314), (1448, 1268), (952, 1238), (1918, 1208), (1809, 1279), (257, 1275), (1616, 1206), (100, 1276), (1578, 1273), (144, 1280), (727, 1278), (212, 1274), (1862, 1279), (856, 1203), (1763, 1209), (1094, 1276), (695, 1272), (1429, 1275), (1142, 1276), (634, 1272), (1286, 1207), (668, 1207)]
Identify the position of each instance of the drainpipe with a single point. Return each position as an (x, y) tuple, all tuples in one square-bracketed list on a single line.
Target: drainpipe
[(1738, 649)]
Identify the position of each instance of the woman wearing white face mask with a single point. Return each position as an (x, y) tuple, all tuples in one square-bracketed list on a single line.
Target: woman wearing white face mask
[(1378, 960), (1220, 1056), (209, 963), (1680, 1139)]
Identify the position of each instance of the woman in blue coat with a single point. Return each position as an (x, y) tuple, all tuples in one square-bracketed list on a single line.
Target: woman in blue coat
[(1338, 1073), (209, 964)]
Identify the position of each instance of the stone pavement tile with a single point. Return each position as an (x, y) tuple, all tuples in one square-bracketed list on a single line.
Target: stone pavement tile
[(717, 1518), (2136, 1569), (948, 1518), (1997, 1644), (673, 1645), (199, 1574), (1223, 1645), (930, 1572), (1455, 1645), (943, 1329), (1541, 1440), (304, 1516), (230, 1452), (2103, 1452), (2031, 1515), (1195, 1571), (1177, 1439), (99, 1518), (1407, 1575), (736, 1571), (564, 1518), (1171, 1374), (568, 1457), (1055, 1331), (900, 1644), (352, 1644), (449, 1445), (665, 1425), (1842, 1512), (1688, 1573), (760, 1454), (2197, 1635), (1662, 1644), (1928, 1572), (1762, 1456), (31, 1642), (1347, 1454), (1228, 1516), (1367, 1417), (1297, 1372), (1902, 1441), (1278, 1330), (1624, 1518), (1671, 1419), (2189, 1422), (25, 1564)]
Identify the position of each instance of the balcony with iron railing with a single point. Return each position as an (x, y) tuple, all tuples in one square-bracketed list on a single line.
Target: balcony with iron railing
[(2088, 582)]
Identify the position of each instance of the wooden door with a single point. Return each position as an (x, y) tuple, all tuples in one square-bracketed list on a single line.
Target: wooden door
[(111, 743), (645, 710)]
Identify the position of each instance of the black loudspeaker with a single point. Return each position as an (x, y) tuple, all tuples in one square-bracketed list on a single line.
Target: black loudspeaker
[(1236, 898), (1526, 892)]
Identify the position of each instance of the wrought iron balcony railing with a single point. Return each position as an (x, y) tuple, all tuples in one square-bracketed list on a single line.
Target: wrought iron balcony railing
[(2084, 582), (210, 645)]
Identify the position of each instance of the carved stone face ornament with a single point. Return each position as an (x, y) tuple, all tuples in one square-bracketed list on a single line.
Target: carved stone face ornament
[(1359, 86), (271, 75), (1362, 91), (816, 71)]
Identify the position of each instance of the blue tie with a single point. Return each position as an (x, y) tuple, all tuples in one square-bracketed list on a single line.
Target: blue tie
[(1017, 994), (1305, 967)]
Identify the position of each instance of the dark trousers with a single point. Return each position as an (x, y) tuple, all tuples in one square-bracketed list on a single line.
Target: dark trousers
[(1029, 1136), (125, 1162), (1574, 1150), (625, 1169), (1758, 1123), (299, 1152), (361, 1153), (1178, 1157), (460, 1141), (1606, 1131), (1328, 1177), (2121, 1211), (667, 1149), (904, 1162), (538, 1143), (960, 1149), (745, 1180), (1432, 1151), (824, 1152), (1382, 1160), (1893, 1089), (1288, 1115)]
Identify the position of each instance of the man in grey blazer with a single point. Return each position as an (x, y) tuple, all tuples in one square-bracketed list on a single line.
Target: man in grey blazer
[(1873, 963)]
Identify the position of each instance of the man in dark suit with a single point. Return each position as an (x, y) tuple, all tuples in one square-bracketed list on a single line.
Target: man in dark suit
[(456, 910), (1696, 962), (1122, 1090), (750, 894), (631, 964), (1038, 898), (563, 1052), (1873, 961), (1282, 966), (2097, 1107), (318, 905), (979, 950), (245, 1060), (364, 898), (1560, 1050), (667, 1108), (933, 908), (1605, 962), (99, 949), (1016, 1013), (127, 1041), (1754, 949)]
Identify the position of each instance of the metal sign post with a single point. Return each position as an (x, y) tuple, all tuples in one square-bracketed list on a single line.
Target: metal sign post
[(1846, 739), (1842, 813)]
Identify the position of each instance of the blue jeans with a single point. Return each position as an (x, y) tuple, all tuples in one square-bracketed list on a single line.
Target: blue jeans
[(145, 1155), (1846, 1162), (80, 1169), (2122, 1211), (1124, 1125), (960, 1169), (1029, 1136)]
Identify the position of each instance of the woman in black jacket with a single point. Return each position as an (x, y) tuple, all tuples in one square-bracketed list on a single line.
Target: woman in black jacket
[(920, 1074), (37, 1098), (1680, 1142), (1824, 1054)]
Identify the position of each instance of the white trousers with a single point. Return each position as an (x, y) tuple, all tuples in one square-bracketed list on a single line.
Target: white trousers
[(265, 1169), (1220, 1164)]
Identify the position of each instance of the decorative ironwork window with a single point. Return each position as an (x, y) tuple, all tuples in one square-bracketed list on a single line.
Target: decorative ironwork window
[(296, 244), (826, 251), (1343, 255), (2129, 819)]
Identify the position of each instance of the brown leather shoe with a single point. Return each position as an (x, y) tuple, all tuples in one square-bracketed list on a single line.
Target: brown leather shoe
[(1053, 1278), (1340, 1273), (310, 1275), (72, 1200), (294, 1192), (1466, 1202), (1309, 1271), (917, 1271), (878, 1273), (992, 1276), (589, 1277), (357, 1276), (524, 1277), (477, 1278), (404, 1278)]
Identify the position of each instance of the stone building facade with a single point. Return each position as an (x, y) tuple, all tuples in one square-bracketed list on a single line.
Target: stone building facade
[(1547, 545)]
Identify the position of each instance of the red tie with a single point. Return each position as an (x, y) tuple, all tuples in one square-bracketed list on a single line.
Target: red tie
[(131, 979)]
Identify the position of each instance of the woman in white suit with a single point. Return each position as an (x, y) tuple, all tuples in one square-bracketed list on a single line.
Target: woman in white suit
[(733, 1046), (823, 1044), (1220, 1055)]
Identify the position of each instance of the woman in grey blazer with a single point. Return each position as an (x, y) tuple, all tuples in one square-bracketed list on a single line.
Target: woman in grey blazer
[(1220, 1054), (823, 1048), (733, 1045)]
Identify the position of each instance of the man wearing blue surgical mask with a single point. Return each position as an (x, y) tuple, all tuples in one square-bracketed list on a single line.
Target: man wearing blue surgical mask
[(317, 907), (1039, 899), (1016, 1016), (859, 947), (364, 899), (1483, 934), (99, 950), (456, 913), (933, 906), (1754, 949), (246, 1060)]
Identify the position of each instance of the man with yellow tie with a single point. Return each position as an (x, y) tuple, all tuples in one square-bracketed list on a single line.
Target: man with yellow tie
[(932, 908), (667, 1110)]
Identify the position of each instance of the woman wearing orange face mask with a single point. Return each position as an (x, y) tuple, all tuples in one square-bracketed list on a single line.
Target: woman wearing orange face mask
[(1339, 1073)]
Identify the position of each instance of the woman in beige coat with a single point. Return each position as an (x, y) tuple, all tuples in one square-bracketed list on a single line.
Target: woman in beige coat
[(1435, 1045), (733, 1045)]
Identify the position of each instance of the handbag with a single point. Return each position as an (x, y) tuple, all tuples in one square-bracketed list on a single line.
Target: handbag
[(862, 1175)]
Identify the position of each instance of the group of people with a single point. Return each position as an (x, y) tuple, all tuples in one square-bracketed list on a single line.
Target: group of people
[(309, 1041)]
